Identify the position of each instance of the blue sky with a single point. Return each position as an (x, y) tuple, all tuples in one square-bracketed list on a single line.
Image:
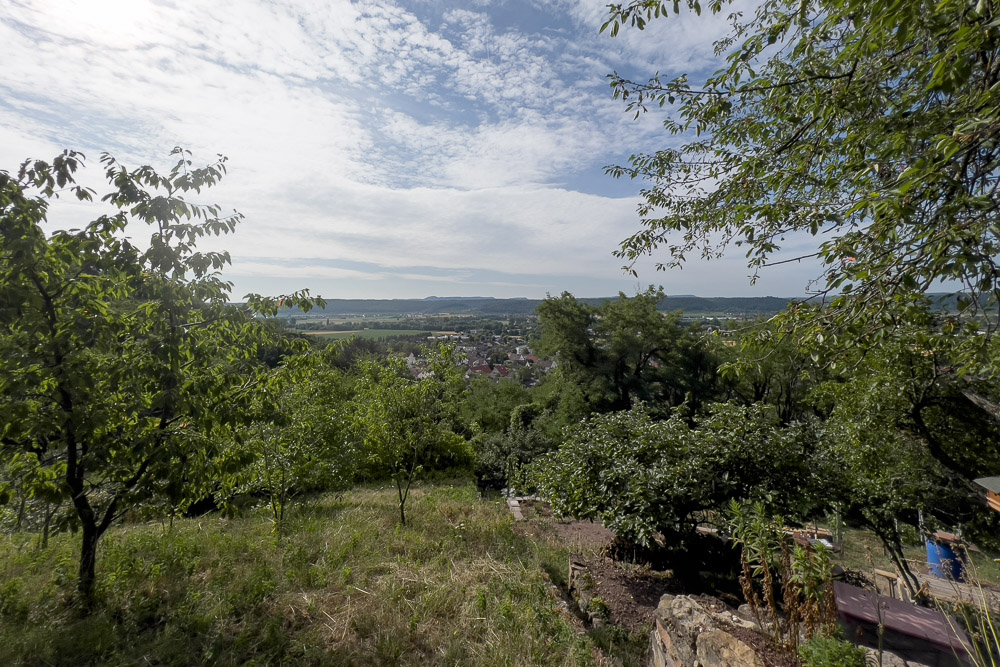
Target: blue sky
[(378, 149)]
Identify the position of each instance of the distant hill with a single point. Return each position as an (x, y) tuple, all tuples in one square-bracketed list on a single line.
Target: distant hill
[(489, 306), (712, 306), (457, 298)]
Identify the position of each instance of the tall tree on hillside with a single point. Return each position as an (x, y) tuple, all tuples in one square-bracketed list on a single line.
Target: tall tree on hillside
[(626, 350), (120, 364)]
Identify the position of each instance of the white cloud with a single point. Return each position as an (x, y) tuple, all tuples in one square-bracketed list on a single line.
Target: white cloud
[(400, 136)]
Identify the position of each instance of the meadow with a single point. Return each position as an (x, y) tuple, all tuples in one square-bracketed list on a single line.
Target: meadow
[(345, 585)]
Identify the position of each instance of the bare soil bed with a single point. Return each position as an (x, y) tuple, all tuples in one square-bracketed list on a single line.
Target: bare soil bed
[(630, 591)]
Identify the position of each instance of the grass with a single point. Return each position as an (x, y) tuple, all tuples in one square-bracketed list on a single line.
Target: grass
[(346, 586), (378, 334)]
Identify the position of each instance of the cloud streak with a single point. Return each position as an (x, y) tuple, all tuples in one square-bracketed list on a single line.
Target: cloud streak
[(464, 138)]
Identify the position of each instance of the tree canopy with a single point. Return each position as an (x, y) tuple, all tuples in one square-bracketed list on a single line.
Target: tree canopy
[(625, 350), (641, 477), (872, 127)]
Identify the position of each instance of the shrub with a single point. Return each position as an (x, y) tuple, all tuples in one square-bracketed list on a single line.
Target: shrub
[(501, 457), (641, 477), (831, 652)]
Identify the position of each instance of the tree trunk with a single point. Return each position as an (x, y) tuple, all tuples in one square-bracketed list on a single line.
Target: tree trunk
[(88, 561), (402, 500), (936, 447), (50, 511), (20, 510), (889, 536)]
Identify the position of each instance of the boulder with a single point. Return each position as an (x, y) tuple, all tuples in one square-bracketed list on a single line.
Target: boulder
[(717, 648), (662, 651), (684, 618)]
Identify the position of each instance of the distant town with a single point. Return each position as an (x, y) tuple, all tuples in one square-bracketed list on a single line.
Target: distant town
[(494, 336)]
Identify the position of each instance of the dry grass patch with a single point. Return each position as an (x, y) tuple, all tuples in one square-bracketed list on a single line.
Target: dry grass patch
[(346, 585)]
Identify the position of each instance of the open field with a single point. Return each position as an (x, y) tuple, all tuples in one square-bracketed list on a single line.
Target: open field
[(370, 333), (309, 318), (346, 585)]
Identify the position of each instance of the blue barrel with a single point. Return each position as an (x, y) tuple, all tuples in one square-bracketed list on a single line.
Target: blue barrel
[(945, 562)]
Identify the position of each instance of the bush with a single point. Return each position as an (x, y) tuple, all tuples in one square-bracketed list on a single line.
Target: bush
[(831, 652), (500, 457), (641, 477)]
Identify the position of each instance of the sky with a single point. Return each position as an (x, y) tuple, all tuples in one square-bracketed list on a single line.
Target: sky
[(378, 149)]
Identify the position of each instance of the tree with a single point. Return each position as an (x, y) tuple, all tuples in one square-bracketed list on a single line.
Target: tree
[(487, 404), (871, 126), (774, 371), (121, 367), (896, 428), (501, 418), (403, 424), (301, 443), (625, 350)]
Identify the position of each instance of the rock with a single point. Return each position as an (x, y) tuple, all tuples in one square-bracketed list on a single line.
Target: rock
[(662, 651), (729, 618), (581, 585), (685, 619), (717, 648)]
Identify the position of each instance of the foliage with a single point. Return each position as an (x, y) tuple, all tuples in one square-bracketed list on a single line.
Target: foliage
[(771, 369), (770, 561), (501, 457), (822, 651), (38, 499), (302, 443), (121, 367), (869, 127), (404, 425), (487, 404), (978, 619), (625, 350), (641, 477), (505, 439), (896, 429)]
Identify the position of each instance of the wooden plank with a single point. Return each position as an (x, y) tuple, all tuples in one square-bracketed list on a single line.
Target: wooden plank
[(993, 500), (956, 591)]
